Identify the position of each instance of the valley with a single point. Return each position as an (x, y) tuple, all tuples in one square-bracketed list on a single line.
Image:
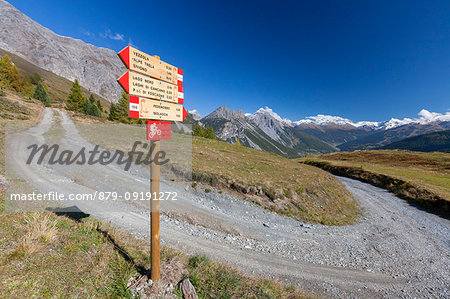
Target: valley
[(367, 258)]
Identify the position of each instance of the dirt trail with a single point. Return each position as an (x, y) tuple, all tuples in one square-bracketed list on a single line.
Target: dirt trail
[(396, 250)]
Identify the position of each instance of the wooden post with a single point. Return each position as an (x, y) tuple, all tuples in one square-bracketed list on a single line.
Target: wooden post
[(154, 211)]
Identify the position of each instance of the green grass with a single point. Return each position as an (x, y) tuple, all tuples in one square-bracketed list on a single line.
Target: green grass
[(430, 171), (73, 260), (322, 198), (224, 282)]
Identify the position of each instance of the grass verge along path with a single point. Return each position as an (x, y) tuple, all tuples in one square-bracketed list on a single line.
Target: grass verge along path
[(422, 178)]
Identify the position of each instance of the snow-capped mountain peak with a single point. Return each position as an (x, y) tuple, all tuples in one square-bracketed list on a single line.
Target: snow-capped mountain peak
[(267, 111), (195, 114), (322, 120), (425, 118)]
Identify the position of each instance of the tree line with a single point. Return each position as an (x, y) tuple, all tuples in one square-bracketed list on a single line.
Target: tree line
[(208, 132)]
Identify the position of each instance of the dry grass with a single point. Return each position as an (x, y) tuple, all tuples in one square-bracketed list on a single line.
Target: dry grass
[(40, 229), (48, 256), (45, 255), (300, 191), (430, 171)]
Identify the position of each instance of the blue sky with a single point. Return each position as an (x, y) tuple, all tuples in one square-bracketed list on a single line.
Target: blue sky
[(363, 60)]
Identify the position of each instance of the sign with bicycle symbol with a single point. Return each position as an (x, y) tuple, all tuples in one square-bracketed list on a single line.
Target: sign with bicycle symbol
[(158, 130)]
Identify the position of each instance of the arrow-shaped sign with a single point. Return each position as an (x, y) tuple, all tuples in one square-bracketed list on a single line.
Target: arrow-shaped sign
[(152, 109), (144, 86), (143, 63)]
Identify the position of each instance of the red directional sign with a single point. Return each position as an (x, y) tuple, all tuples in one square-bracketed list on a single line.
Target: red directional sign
[(143, 63), (158, 130), (144, 86), (158, 110)]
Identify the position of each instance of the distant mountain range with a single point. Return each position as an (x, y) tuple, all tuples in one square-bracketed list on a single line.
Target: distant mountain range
[(430, 142), (262, 131), (266, 130)]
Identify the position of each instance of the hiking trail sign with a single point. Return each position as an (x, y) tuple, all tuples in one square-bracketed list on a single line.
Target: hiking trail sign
[(143, 86), (158, 110), (143, 63), (156, 94)]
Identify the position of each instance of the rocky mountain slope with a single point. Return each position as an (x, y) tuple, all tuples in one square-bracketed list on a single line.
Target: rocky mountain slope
[(95, 68), (318, 134), (262, 131)]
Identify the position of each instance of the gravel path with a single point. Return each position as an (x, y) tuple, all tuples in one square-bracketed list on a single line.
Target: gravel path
[(395, 250)]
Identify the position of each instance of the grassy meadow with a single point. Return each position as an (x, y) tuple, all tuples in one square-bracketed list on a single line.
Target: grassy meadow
[(430, 171)]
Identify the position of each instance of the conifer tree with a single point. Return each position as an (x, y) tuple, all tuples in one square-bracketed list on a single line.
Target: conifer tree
[(122, 108), (5, 71), (209, 133), (11, 79), (76, 99), (99, 105), (40, 93), (198, 131), (90, 107), (113, 113)]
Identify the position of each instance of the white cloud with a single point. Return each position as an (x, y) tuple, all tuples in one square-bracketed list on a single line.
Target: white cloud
[(87, 32), (113, 36)]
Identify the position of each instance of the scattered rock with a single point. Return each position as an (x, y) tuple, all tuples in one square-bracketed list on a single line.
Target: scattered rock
[(252, 190), (188, 290)]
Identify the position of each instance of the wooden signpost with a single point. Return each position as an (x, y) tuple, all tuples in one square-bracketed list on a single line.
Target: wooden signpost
[(151, 109), (143, 63), (143, 86), (157, 98)]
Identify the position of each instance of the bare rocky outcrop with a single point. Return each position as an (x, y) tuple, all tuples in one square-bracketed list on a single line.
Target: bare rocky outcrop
[(95, 68)]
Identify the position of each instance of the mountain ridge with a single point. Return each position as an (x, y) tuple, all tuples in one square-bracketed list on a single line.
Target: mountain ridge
[(96, 68), (429, 142)]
